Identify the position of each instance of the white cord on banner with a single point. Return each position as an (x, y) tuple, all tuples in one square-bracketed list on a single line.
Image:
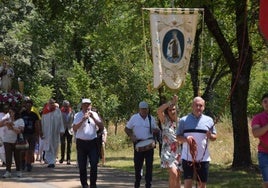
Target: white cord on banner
[(201, 49), (144, 37)]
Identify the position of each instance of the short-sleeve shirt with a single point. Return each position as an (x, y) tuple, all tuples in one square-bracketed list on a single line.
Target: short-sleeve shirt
[(9, 135), (197, 127), (261, 119), (141, 127), (88, 129), (30, 119)]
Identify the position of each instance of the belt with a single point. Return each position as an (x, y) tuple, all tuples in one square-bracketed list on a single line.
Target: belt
[(86, 140)]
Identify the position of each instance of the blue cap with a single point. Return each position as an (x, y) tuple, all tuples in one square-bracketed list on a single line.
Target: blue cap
[(143, 104)]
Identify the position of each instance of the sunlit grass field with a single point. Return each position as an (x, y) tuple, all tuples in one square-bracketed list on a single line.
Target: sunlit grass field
[(119, 154)]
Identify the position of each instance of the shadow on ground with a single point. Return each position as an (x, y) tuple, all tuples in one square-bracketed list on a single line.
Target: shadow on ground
[(67, 176)]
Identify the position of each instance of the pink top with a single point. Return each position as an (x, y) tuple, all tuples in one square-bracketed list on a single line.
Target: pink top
[(262, 120)]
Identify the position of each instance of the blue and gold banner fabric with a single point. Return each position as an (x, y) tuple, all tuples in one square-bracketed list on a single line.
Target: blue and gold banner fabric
[(172, 32)]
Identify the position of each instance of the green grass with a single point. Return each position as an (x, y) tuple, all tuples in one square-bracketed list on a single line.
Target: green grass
[(220, 174)]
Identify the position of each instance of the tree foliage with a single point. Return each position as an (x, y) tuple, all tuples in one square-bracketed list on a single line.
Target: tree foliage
[(101, 49)]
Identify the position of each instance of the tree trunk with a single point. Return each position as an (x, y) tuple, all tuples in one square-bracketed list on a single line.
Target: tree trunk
[(240, 68), (195, 64), (240, 87), (241, 156)]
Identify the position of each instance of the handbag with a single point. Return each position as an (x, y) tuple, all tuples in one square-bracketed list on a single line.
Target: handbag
[(21, 143)]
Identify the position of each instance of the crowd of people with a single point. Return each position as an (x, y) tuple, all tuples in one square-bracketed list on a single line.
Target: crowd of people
[(49, 133), (184, 141)]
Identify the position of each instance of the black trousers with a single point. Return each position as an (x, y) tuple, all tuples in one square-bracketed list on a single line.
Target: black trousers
[(87, 150), (139, 158), (66, 138), (10, 151)]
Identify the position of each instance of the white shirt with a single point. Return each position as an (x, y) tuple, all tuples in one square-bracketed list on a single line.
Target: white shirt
[(88, 129), (2, 149), (141, 127), (9, 135)]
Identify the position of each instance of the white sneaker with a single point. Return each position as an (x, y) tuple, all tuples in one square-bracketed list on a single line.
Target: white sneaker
[(19, 174), (7, 174)]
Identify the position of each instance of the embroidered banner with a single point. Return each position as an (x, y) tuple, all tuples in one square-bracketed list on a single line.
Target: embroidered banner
[(172, 32), (263, 18)]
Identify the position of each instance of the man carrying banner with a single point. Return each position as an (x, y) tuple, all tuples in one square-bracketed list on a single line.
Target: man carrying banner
[(195, 130)]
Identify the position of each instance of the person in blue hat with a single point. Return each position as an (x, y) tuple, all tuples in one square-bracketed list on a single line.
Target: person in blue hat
[(141, 129)]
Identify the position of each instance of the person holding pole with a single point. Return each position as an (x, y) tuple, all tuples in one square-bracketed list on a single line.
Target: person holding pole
[(195, 131)]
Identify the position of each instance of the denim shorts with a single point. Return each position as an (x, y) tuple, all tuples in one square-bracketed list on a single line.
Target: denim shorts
[(263, 164)]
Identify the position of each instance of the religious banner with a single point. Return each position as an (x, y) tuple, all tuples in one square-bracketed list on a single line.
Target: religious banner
[(263, 18), (172, 32)]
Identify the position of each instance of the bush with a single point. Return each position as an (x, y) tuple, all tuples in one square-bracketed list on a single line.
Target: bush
[(117, 140)]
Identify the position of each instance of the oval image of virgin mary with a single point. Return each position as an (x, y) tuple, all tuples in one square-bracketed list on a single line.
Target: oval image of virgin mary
[(173, 45)]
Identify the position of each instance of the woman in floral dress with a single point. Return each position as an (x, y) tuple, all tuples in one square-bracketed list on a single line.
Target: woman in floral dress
[(171, 149)]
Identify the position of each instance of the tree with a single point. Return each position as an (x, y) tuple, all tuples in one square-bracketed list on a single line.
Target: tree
[(240, 64), (104, 49), (77, 83), (237, 51), (15, 37)]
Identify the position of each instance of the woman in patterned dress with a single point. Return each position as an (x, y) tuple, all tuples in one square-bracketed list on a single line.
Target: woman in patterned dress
[(171, 149)]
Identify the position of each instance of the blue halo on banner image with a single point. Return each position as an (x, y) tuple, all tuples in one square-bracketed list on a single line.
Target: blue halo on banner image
[(173, 46)]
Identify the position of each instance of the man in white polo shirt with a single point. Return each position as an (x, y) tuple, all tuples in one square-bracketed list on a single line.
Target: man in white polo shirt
[(141, 128), (86, 123)]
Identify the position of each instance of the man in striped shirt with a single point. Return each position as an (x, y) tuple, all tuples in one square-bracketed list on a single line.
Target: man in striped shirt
[(194, 131)]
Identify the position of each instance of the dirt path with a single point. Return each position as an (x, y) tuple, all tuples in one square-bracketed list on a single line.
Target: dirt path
[(66, 176)]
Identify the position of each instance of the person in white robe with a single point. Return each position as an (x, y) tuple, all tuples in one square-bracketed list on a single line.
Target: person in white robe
[(52, 128)]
